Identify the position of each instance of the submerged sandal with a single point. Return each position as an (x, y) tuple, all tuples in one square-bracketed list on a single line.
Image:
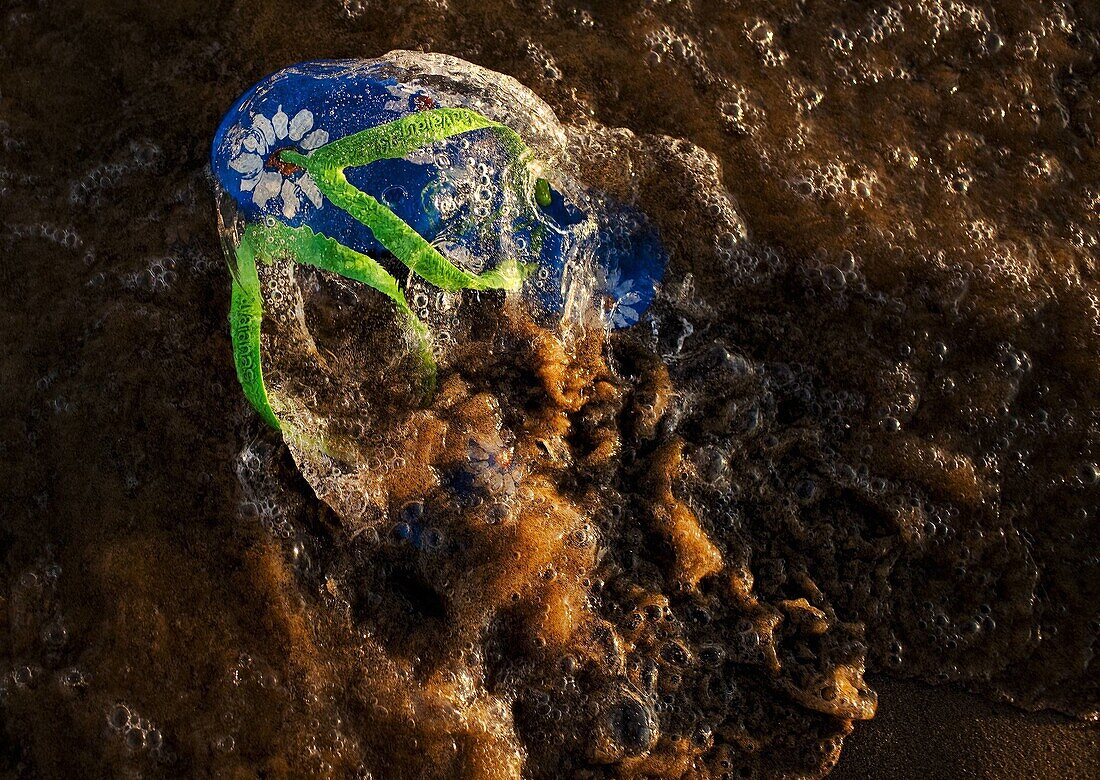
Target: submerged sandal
[(343, 164)]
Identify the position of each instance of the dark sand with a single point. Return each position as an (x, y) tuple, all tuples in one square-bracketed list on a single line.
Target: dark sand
[(928, 733)]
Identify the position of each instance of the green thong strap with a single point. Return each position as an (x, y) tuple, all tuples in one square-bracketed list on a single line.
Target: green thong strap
[(394, 140), (274, 240), (245, 318), (326, 165)]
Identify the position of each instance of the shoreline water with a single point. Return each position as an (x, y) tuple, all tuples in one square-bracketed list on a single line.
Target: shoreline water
[(871, 381)]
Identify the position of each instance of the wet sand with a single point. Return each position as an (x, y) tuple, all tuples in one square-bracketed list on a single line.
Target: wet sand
[(925, 732)]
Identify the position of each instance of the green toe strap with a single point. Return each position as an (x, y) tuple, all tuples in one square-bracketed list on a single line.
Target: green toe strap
[(394, 140), (245, 316), (274, 240)]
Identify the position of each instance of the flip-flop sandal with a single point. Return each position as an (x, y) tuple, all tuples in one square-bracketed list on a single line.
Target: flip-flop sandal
[(354, 166)]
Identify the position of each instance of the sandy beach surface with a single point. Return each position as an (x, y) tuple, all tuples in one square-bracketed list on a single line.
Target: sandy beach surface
[(926, 732)]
